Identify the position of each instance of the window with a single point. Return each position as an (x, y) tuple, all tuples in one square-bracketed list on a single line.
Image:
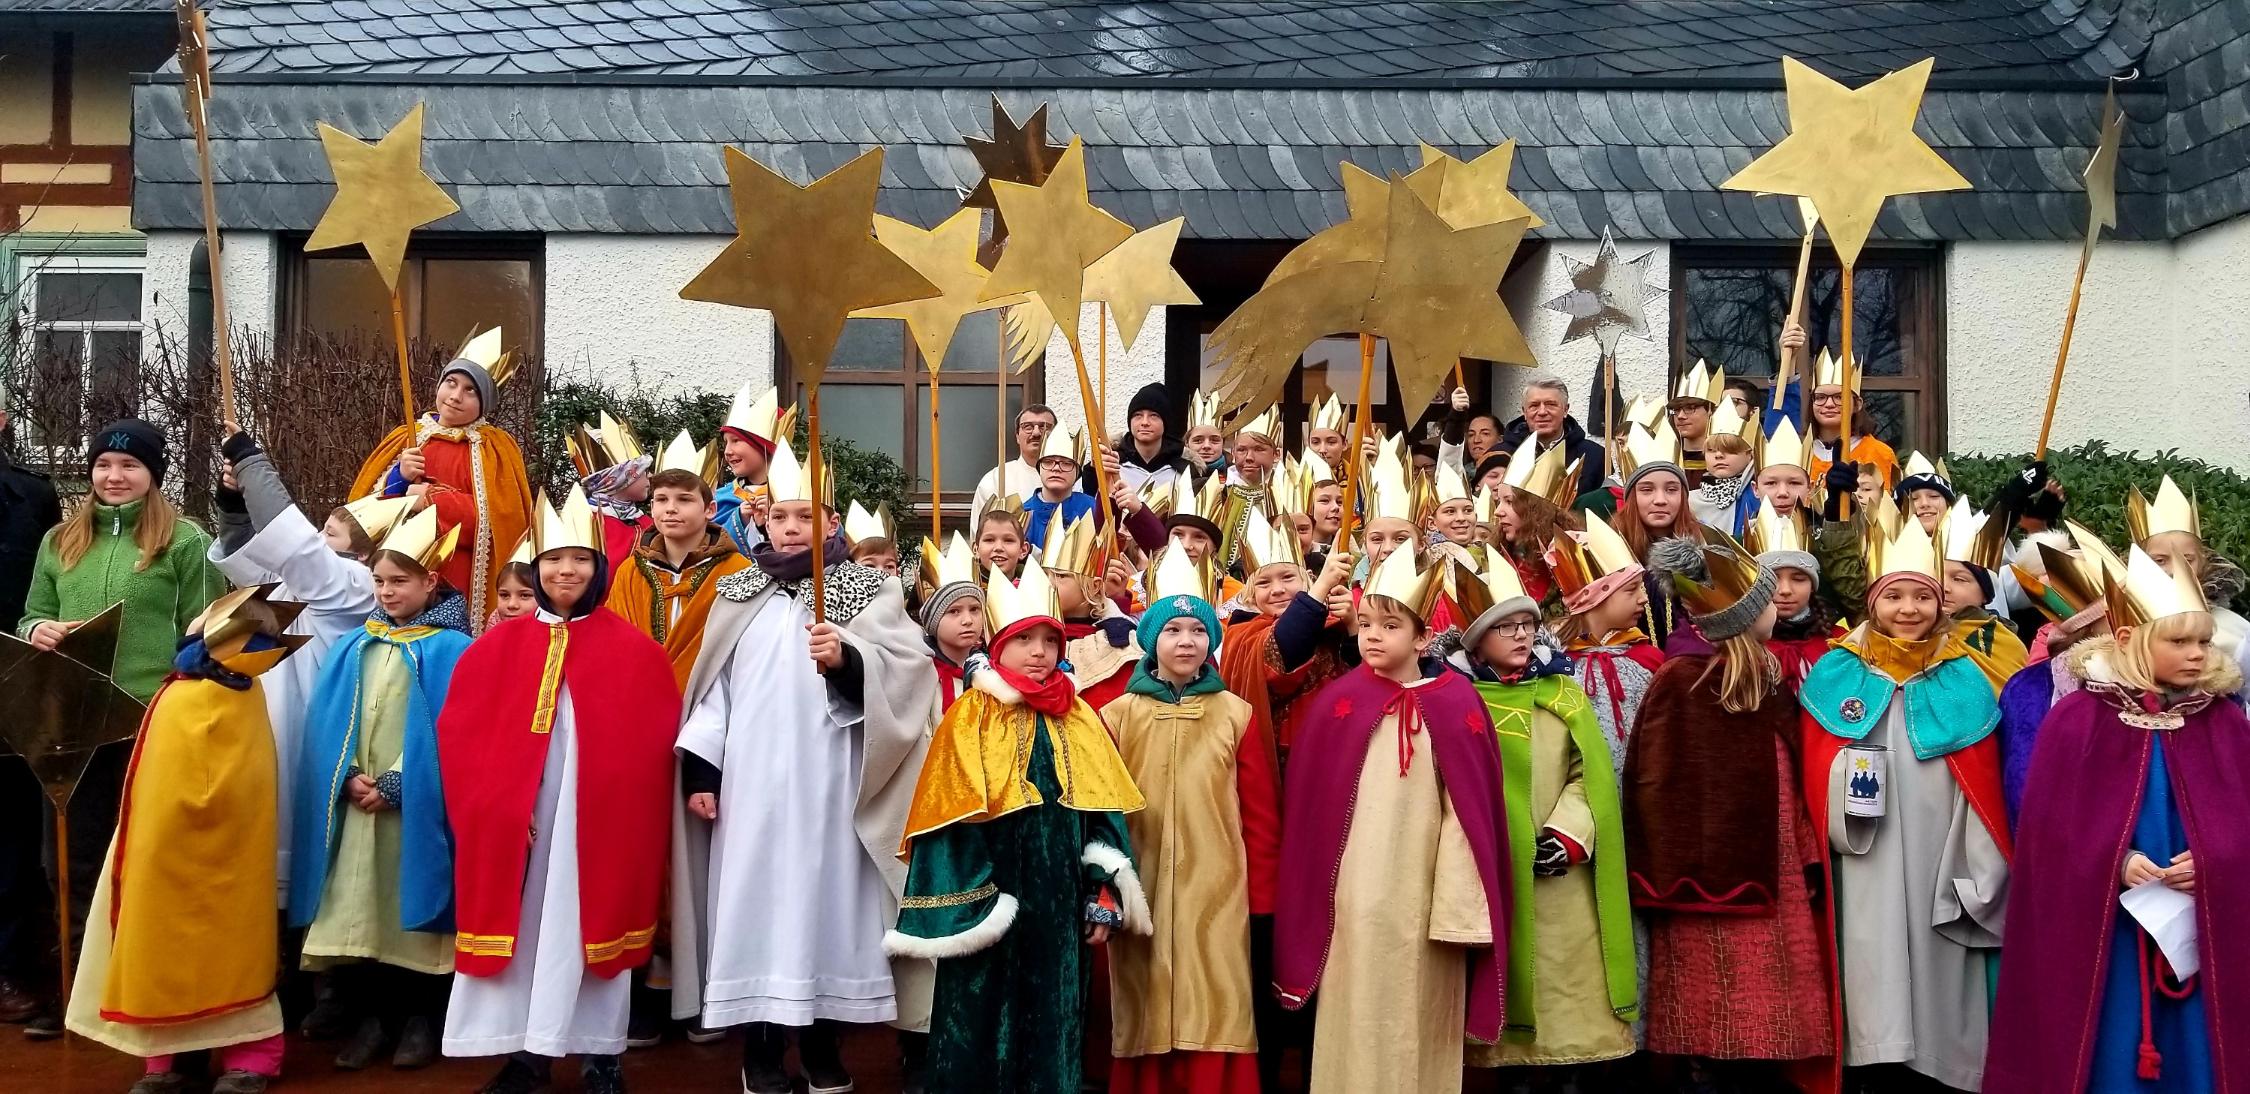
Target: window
[(1728, 303), (76, 313), (449, 289), (876, 394)]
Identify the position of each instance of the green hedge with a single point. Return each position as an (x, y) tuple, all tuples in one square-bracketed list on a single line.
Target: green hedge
[(2095, 480)]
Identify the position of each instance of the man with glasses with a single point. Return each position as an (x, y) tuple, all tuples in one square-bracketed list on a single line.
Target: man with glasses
[(1019, 476)]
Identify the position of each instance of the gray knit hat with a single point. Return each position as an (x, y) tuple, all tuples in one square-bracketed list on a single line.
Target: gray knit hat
[(1486, 620), (1720, 585), (1794, 560), (478, 378), (935, 607), (1652, 467)]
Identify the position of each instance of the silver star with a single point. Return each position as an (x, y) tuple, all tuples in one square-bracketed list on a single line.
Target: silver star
[(1607, 297)]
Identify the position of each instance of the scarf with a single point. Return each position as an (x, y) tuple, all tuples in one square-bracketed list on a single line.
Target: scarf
[(449, 610), (602, 487), (794, 566), (1723, 493), (1053, 697)]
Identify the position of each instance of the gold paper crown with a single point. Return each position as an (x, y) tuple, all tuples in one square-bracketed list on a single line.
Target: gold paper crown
[(376, 515), (788, 480), (1919, 464), (527, 546), (1157, 496), (486, 352), (1488, 500), (1785, 448), (1476, 591), (2068, 583), (1643, 448), (418, 538), (1542, 474), (2095, 555), (1070, 546), (2148, 593), (1290, 491), (1973, 538), (1174, 575), (1206, 505), (1316, 473), (1879, 524), (1415, 589), (1580, 559), (1702, 383), (1644, 411), (1828, 372), (1389, 492), (1266, 425), (1327, 414), (683, 454), (1061, 444), (2173, 511), (1727, 421), (573, 525), (1011, 504), (952, 566), (1909, 551), (1266, 544), (760, 416), (602, 447), (859, 524), (230, 622), (1007, 603), (1770, 531), (1729, 574), (1203, 410), (1450, 485)]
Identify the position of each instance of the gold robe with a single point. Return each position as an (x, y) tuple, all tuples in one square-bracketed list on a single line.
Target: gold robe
[(672, 606)]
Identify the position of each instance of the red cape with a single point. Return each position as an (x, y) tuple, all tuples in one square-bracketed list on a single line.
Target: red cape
[(626, 713)]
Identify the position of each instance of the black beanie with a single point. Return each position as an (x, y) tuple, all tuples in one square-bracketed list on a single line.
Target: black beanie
[(135, 438), (1497, 459), (1151, 397)]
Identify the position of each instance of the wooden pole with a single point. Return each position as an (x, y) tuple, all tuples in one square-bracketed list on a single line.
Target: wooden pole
[(999, 417), (1796, 311), (819, 469), (62, 895), (937, 513), (1102, 329), (2062, 353), (222, 343), (1354, 464), (1844, 430), (1609, 413), (405, 358), (1093, 412)]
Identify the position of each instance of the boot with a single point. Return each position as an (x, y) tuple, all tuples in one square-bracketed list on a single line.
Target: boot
[(602, 1075), (417, 1043), (824, 1061), (18, 1003), (520, 1076), (160, 1082), (329, 1019), (763, 1047), (239, 1081), (913, 1060), (365, 1044)]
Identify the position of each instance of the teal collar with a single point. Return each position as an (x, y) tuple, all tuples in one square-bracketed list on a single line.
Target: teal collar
[(1949, 706), (1146, 682)]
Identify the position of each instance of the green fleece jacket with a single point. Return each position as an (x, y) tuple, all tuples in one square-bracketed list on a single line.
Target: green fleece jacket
[(160, 601)]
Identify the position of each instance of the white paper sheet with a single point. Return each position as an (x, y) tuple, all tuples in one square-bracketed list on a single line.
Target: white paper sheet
[(2168, 915)]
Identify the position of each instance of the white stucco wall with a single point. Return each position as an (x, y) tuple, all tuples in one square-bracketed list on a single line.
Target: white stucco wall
[(252, 280), (613, 309), (1641, 364), (1129, 368), (2156, 361)]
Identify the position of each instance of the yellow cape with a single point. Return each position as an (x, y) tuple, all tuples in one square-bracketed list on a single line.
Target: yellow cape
[(978, 766)]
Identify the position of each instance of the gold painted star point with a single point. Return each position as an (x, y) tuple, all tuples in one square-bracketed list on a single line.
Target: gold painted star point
[(382, 194), (1437, 298), (947, 256), (1475, 192), (2101, 172), (1058, 234), (1136, 276)]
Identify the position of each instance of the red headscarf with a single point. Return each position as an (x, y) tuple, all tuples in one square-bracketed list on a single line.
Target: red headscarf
[(1052, 697)]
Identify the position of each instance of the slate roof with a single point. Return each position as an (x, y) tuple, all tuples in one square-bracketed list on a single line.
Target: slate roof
[(84, 7), (607, 116)]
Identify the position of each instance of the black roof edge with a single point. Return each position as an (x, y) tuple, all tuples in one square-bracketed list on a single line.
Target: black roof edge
[(1496, 83)]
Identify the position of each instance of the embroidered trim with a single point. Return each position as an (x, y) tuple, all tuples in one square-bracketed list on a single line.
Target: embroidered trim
[(485, 945), (473, 433), (951, 900), (550, 679), (630, 940), (659, 616)]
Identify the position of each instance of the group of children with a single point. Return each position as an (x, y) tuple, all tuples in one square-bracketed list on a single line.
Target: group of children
[(1732, 788)]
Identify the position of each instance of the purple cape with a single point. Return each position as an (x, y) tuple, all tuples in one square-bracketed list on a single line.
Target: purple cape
[(2079, 806), (1323, 780)]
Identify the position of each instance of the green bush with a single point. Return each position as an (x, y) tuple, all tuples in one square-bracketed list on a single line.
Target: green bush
[(2096, 480)]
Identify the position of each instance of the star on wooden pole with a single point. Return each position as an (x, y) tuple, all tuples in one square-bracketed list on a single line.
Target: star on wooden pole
[(1136, 276), (2101, 172), (382, 194), (945, 256), (58, 706), (1608, 297), (1061, 232), (1850, 149), (1013, 153), (1469, 193)]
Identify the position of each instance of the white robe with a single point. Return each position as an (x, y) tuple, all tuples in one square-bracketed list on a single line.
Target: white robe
[(337, 593), (545, 1001), (1013, 477), (795, 906)]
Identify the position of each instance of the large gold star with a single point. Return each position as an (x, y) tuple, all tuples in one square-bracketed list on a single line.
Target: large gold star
[(947, 256), (1848, 150), (1137, 275), (1013, 153), (1058, 234), (58, 706), (1472, 193), (2101, 173), (807, 254), (1438, 297), (382, 195)]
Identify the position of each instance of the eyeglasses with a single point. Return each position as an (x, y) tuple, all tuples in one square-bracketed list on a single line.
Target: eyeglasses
[(1515, 630), (1830, 399)]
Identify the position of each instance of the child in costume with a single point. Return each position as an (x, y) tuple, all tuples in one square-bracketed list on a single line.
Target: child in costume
[(2170, 529), (1835, 545), (1921, 883), (613, 470), (1603, 597), (183, 954), (999, 538), (454, 458), (2126, 791), (517, 591), (1724, 498), (1864, 449), (2068, 585), (1394, 903), (1654, 507), (1530, 508), (952, 615), (754, 424), (1974, 547), (1804, 623), (1204, 445), (798, 730), (1017, 859), (559, 728), (1695, 398), (1721, 855), (1182, 999), (1573, 988), (374, 889), (873, 537), (666, 585), (1924, 492), (1099, 650)]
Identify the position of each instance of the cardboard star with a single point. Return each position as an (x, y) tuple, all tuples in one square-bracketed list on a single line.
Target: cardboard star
[(1472, 193), (1849, 150), (1059, 233), (1137, 275), (1607, 298), (57, 707), (807, 254), (947, 256), (382, 194), (1438, 297), (2101, 173), (1013, 153)]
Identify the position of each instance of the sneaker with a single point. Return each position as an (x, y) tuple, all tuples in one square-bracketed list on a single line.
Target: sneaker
[(516, 1077), (644, 1030), (365, 1044), (417, 1044), (699, 1034), (239, 1081), (764, 1048), (823, 1061), (160, 1082), (603, 1075), (44, 1026)]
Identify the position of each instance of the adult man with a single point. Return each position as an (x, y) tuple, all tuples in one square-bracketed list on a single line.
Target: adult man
[(27, 509), (1546, 415), (1019, 476)]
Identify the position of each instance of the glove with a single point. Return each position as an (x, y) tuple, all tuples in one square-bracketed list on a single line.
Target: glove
[(2033, 476), (238, 446), (1842, 478), (1549, 857)]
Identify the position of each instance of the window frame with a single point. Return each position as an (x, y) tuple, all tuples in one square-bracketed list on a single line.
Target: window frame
[(481, 247), (24, 258), (1921, 312)]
